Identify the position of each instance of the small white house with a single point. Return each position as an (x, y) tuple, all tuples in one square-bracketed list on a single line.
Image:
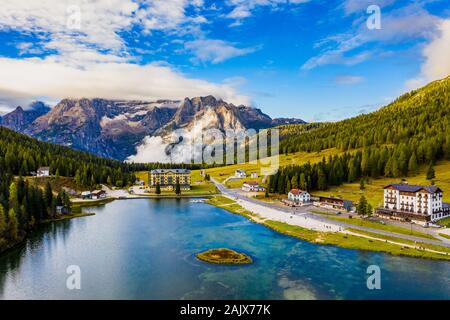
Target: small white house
[(43, 172), (240, 174), (298, 195), (86, 195), (252, 186)]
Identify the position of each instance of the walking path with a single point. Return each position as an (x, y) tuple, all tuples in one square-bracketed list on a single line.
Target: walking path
[(303, 217)]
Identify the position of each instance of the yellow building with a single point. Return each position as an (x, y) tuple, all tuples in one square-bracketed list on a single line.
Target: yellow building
[(167, 178)]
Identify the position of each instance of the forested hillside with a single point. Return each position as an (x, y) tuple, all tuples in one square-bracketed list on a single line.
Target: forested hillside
[(20, 155), (23, 205), (418, 117), (412, 131)]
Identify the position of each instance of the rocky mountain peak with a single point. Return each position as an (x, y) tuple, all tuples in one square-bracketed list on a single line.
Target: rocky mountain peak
[(114, 128), (21, 118)]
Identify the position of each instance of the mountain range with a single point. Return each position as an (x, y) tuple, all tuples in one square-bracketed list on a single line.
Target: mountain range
[(116, 128)]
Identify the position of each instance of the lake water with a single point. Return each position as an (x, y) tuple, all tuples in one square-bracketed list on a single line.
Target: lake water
[(145, 249)]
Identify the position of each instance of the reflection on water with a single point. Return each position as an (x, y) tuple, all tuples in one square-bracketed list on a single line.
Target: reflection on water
[(145, 249)]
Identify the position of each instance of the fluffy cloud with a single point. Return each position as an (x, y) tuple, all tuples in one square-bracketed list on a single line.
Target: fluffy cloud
[(242, 9), (215, 51), (114, 80), (353, 6), (398, 26), (436, 57), (93, 60), (96, 24)]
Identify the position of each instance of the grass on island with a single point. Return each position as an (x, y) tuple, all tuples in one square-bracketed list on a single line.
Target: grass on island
[(385, 227), (224, 256), (374, 187), (329, 238)]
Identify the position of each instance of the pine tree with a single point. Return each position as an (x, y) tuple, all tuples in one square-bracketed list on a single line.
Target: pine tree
[(362, 206), (48, 194), (158, 189), (322, 181), (431, 173), (362, 185), (369, 209), (3, 223), (13, 196), (294, 182), (412, 164), (13, 225)]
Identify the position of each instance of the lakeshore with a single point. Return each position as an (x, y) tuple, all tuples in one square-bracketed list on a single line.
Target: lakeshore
[(149, 247), (315, 231), (308, 227)]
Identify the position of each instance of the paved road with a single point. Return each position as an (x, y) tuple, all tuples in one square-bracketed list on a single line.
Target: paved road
[(306, 211)]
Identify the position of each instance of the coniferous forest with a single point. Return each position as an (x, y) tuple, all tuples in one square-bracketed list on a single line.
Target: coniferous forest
[(393, 142), (22, 206)]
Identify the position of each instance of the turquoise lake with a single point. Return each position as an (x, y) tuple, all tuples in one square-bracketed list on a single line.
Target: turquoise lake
[(145, 249)]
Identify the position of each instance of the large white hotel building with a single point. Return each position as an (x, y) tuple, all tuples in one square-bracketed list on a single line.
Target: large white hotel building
[(420, 204)]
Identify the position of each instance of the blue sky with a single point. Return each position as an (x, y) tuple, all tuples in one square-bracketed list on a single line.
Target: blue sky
[(315, 60)]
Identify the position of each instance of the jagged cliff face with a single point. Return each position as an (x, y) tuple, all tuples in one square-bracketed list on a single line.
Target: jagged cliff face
[(20, 119), (218, 114), (103, 127), (114, 129)]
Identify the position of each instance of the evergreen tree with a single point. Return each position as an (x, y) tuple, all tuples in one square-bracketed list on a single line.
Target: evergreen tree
[(3, 222), (48, 194), (369, 209), (13, 225), (431, 173), (158, 189), (362, 185), (412, 164), (13, 196), (294, 182), (362, 206)]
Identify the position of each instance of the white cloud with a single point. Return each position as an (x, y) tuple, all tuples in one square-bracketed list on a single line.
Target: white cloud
[(436, 57), (243, 8), (348, 79), (94, 61), (398, 26), (101, 22), (215, 51), (51, 78), (353, 6)]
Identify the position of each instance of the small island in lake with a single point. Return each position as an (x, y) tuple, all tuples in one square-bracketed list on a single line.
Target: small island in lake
[(224, 256)]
